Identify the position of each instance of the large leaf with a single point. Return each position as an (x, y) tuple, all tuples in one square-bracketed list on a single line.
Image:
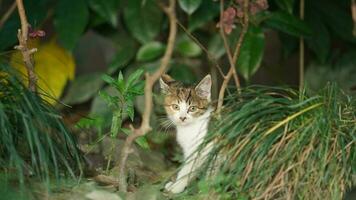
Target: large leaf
[(188, 47), (143, 19), (319, 42), (205, 13), (83, 88), (189, 6), (54, 66), (251, 54), (36, 13), (337, 17), (216, 46), (106, 9), (288, 23), (286, 5), (71, 18), (150, 51)]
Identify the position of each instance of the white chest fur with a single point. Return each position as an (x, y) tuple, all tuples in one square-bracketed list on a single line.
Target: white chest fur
[(191, 136)]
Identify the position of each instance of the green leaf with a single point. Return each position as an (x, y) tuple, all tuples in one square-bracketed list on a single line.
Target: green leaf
[(286, 5), (288, 23), (336, 16), (182, 73), (108, 79), (150, 51), (216, 46), (126, 51), (71, 18), (251, 54), (120, 83), (205, 13), (106, 9), (187, 47), (319, 42), (134, 77), (130, 110), (83, 88), (143, 20), (189, 6)]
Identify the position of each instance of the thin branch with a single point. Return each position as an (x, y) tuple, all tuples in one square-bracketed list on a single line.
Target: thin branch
[(22, 36), (353, 12), (195, 39), (301, 50), (7, 14), (150, 80), (232, 58)]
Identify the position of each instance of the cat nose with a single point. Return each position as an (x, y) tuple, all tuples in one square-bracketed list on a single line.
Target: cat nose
[(182, 118)]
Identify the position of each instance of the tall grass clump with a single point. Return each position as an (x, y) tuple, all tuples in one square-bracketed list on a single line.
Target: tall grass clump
[(273, 143), (33, 138)]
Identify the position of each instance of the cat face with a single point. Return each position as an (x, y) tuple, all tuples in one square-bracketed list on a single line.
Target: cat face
[(184, 105)]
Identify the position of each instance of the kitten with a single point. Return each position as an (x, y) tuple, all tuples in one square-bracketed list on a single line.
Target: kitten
[(189, 108)]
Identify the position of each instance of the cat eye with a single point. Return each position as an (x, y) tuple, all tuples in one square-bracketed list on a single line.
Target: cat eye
[(175, 107), (192, 109)]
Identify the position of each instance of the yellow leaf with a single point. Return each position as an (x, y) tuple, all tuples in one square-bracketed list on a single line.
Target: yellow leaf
[(54, 66)]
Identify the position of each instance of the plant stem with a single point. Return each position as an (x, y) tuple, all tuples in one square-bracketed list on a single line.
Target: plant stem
[(301, 51), (23, 47), (232, 58), (7, 14), (150, 80)]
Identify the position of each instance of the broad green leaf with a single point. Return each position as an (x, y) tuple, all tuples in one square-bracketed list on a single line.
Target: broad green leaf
[(286, 5), (288, 23), (319, 42), (189, 6), (251, 54), (216, 46), (106, 9), (205, 13), (70, 20), (83, 88), (336, 16), (187, 47), (150, 51), (143, 20), (35, 12), (182, 73)]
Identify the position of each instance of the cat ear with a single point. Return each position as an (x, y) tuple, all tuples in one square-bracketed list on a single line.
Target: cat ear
[(203, 89), (164, 81)]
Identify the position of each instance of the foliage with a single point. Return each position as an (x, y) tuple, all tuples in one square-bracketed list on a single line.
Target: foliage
[(281, 144), (34, 139), (51, 61), (123, 102)]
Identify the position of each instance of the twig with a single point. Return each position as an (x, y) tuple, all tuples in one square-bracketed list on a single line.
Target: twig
[(301, 51), (232, 58), (7, 14), (210, 57), (150, 80), (26, 52), (353, 12)]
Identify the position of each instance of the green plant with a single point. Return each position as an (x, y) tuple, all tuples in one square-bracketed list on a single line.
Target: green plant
[(123, 103), (278, 143), (34, 140)]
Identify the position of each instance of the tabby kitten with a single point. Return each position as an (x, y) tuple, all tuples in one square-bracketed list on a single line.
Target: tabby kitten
[(189, 109)]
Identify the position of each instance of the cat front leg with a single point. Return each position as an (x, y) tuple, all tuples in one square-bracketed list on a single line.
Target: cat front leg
[(182, 180)]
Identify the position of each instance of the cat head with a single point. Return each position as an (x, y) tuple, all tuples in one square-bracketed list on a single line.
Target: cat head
[(184, 105)]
